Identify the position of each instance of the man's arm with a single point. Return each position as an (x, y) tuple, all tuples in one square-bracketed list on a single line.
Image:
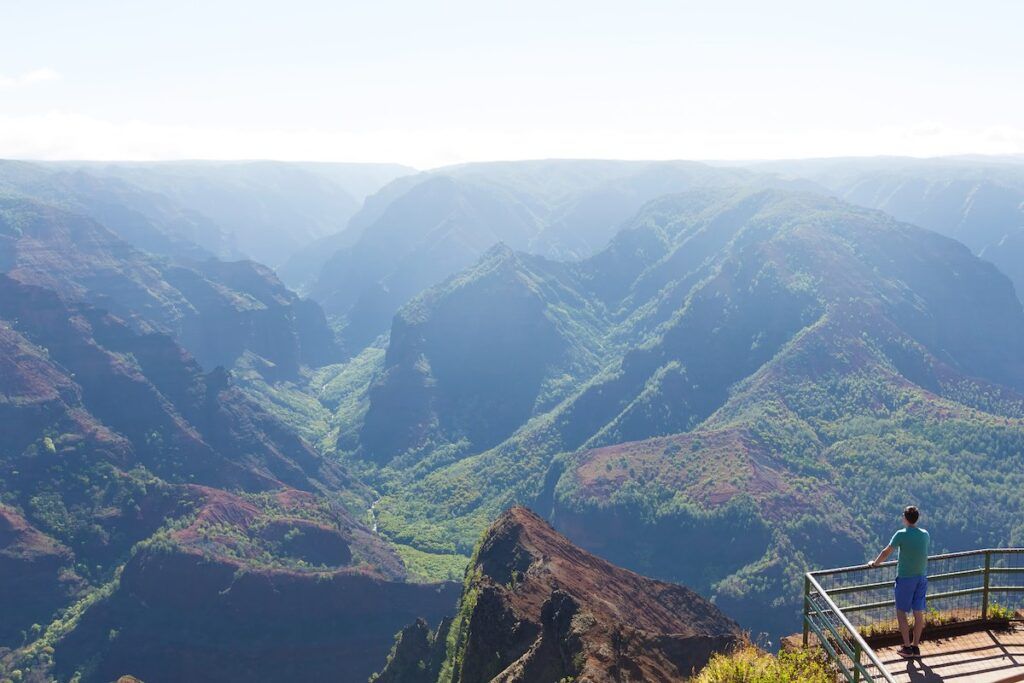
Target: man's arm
[(882, 556)]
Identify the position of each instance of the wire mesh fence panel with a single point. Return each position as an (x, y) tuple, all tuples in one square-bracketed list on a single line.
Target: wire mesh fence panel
[(845, 606), (1006, 584), (852, 659)]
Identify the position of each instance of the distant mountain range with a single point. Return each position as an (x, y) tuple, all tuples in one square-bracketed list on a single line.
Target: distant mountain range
[(420, 229), (978, 201), (258, 210), (759, 338), (688, 370), (218, 310)]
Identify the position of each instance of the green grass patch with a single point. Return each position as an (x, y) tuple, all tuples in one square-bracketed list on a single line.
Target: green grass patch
[(430, 567)]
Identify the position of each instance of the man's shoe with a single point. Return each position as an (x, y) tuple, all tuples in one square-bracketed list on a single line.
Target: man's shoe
[(906, 651), (916, 649)]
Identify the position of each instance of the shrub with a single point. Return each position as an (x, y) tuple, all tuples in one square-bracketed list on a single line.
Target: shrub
[(997, 612), (748, 664), (932, 618)]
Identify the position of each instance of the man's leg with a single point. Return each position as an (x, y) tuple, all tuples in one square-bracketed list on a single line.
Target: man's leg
[(903, 592), (901, 619), (918, 627), (919, 604)]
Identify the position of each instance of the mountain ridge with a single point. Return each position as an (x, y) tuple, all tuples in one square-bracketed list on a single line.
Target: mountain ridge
[(846, 299), (218, 310), (537, 608)]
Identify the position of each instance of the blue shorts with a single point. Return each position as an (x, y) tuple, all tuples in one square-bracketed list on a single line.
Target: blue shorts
[(910, 593)]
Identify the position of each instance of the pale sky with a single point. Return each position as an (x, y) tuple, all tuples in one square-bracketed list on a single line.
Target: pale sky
[(432, 83)]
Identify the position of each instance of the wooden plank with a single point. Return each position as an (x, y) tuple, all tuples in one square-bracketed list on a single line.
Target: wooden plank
[(983, 656)]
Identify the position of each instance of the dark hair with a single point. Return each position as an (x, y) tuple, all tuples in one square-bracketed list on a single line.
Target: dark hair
[(911, 513)]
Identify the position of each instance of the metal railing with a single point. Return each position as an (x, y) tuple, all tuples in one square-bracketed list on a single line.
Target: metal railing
[(842, 605)]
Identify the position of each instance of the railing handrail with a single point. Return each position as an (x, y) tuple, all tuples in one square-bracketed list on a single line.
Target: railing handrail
[(811, 583), (857, 638), (890, 563)]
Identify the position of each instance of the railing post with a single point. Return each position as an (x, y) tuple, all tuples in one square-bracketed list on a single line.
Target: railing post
[(856, 663), (807, 606), (984, 592)]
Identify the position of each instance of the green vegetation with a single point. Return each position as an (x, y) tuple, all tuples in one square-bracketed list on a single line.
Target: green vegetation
[(343, 389), (783, 354), (429, 567), (933, 617), (295, 536), (998, 612), (458, 633), (738, 369), (38, 655), (748, 664), (291, 402)]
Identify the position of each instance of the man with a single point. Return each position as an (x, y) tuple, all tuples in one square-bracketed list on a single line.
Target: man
[(911, 578)]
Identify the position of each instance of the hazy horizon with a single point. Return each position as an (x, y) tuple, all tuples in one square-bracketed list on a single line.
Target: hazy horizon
[(967, 158), (434, 85)]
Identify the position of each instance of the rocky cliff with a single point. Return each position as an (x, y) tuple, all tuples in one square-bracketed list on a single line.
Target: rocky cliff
[(536, 608)]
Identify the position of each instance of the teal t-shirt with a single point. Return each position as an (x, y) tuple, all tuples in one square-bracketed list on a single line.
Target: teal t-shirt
[(913, 545)]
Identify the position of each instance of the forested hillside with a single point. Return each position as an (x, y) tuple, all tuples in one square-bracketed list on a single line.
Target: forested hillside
[(794, 359), (979, 202), (218, 310), (689, 371), (419, 230)]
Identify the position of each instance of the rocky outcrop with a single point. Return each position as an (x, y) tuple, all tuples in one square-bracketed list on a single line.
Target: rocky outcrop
[(417, 655), (536, 608)]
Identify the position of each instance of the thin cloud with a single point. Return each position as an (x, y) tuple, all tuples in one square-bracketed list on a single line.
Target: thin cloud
[(29, 78)]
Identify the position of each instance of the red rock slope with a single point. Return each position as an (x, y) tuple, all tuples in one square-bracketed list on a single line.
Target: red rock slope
[(537, 609)]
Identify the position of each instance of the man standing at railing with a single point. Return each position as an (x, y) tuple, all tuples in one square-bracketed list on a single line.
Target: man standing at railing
[(911, 577)]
